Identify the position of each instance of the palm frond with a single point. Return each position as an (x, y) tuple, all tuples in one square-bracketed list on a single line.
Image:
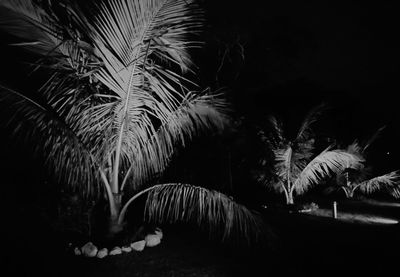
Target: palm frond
[(151, 149), (128, 36), (323, 166), (277, 131), (31, 23), (187, 203), (51, 138), (389, 182), (305, 129), (283, 162)]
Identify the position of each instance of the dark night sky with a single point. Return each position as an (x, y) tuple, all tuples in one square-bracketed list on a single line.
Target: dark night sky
[(297, 55)]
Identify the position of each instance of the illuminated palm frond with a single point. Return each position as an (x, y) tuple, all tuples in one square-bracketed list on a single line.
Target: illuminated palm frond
[(322, 166), (388, 182), (66, 155), (196, 114), (146, 94), (277, 135), (181, 202)]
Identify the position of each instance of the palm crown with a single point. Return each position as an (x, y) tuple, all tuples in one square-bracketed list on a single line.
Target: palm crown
[(295, 166)]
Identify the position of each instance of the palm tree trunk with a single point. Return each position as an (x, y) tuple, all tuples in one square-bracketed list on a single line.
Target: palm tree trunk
[(288, 195), (289, 199), (115, 226), (114, 201)]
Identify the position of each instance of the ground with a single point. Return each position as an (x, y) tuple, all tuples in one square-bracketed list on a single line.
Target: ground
[(305, 245)]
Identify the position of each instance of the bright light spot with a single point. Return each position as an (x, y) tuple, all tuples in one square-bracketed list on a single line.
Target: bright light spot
[(355, 217), (381, 203), (383, 220)]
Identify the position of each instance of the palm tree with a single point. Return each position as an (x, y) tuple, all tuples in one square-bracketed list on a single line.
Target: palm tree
[(357, 177), (117, 103), (295, 166)]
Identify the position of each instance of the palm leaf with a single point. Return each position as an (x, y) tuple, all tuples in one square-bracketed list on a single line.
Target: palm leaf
[(322, 166), (151, 153), (277, 131), (305, 129), (187, 203), (41, 128), (388, 182), (24, 19)]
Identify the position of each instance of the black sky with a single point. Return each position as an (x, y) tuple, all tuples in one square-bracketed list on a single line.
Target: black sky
[(298, 54)]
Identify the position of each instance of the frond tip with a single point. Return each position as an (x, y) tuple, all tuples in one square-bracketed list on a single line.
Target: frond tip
[(389, 181), (182, 202)]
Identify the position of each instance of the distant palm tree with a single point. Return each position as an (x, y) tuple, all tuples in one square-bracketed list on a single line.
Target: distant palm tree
[(357, 177), (115, 106), (295, 167)]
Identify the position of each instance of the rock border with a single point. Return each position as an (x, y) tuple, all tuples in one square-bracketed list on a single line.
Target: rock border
[(90, 250)]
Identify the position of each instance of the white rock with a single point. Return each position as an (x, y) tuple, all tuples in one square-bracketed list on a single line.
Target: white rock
[(102, 253), (138, 245), (115, 251), (89, 250), (152, 240), (126, 249), (159, 232), (77, 251)]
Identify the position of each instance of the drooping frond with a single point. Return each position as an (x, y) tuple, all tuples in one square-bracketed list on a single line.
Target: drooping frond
[(354, 175), (181, 202), (40, 127), (31, 23), (388, 182), (151, 153), (322, 166), (305, 131)]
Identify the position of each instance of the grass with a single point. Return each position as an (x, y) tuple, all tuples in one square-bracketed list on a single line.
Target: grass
[(306, 245)]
